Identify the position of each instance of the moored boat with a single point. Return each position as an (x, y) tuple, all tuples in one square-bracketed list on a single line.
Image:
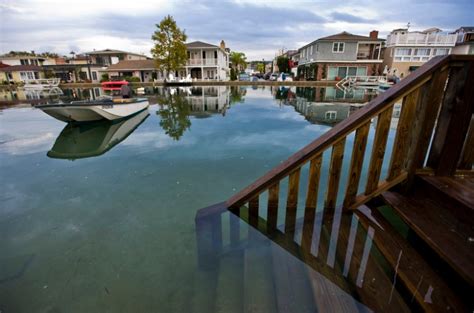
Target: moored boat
[(94, 110), (113, 85)]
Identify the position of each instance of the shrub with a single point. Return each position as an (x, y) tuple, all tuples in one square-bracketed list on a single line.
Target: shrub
[(104, 77)]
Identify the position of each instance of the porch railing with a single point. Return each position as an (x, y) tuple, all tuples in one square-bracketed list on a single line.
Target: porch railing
[(434, 131)]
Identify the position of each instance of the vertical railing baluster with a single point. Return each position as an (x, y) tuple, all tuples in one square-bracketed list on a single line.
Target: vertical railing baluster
[(292, 201), (357, 160), (253, 211), (378, 149), (400, 145), (272, 212), (337, 156), (311, 202)]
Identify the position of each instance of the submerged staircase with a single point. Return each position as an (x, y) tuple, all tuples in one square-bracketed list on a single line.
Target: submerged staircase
[(417, 211)]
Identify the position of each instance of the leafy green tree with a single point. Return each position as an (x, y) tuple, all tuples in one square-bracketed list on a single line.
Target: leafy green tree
[(169, 51), (283, 64), (174, 115), (233, 74), (260, 67), (238, 60), (104, 77)]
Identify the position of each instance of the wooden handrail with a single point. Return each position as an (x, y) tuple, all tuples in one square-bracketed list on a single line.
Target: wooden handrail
[(340, 131)]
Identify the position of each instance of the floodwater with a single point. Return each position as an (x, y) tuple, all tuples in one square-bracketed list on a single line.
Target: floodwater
[(102, 217)]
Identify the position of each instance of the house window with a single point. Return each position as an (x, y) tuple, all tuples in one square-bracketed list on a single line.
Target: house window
[(402, 52), (94, 75), (27, 75), (317, 47), (215, 54), (338, 47), (204, 54), (442, 51), (422, 52), (34, 62), (24, 62), (331, 115)]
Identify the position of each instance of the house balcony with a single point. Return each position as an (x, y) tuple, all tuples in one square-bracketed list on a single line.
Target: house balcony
[(202, 62), (420, 39)]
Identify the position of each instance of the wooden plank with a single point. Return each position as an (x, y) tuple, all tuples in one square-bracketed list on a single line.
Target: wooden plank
[(357, 160), (453, 121), (292, 201), (341, 130), (337, 156), (415, 273), (378, 149), (400, 145), (313, 183), (383, 186), (460, 189), (272, 212), (467, 156), (374, 287), (253, 210), (446, 235), (427, 112)]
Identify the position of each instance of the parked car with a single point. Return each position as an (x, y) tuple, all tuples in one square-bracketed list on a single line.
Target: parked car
[(244, 77), (284, 77), (266, 76), (274, 76)]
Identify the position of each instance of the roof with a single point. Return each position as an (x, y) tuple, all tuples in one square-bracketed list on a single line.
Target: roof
[(466, 28), (16, 68), (200, 44), (132, 65), (112, 51), (345, 36)]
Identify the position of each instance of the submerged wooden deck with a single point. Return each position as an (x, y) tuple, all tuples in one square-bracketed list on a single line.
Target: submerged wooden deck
[(428, 190)]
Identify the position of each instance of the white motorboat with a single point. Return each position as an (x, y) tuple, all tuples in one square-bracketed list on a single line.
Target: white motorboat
[(94, 110), (86, 140), (42, 84)]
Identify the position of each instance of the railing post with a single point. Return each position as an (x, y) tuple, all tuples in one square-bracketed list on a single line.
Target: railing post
[(454, 119), (426, 113)]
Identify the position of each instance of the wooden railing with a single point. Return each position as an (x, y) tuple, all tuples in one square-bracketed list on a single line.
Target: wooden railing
[(437, 105)]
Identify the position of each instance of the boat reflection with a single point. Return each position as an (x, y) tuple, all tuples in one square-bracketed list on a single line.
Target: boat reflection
[(323, 261), (87, 140)]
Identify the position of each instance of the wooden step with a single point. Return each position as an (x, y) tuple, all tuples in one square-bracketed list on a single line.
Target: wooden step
[(457, 187), (424, 285), (292, 285), (259, 293), (229, 293), (448, 236)]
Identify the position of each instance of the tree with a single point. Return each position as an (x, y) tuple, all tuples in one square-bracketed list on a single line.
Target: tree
[(238, 60), (261, 68), (170, 51), (174, 115), (283, 64)]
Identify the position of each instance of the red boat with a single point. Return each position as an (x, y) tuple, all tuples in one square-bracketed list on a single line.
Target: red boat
[(113, 85)]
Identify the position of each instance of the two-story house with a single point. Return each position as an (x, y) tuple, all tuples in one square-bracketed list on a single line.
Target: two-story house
[(406, 51), (110, 56), (337, 56), (464, 41), (206, 61)]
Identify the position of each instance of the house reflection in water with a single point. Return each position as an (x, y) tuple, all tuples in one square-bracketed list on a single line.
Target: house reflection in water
[(324, 105)]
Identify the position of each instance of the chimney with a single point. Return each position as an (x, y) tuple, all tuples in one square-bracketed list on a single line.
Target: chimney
[(222, 45), (374, 34)]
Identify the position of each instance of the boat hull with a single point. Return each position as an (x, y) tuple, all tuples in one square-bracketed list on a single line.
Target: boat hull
[(84, 112)]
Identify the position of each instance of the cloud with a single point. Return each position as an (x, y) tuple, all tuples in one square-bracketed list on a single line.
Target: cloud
[(346, 17), (258, 28)]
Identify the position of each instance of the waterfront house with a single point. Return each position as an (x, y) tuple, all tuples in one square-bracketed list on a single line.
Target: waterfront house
[(464, 40), (23, 59), (406, 51), (337, 56), (206, 61), (108, 57), (145, 70), (20, 73)]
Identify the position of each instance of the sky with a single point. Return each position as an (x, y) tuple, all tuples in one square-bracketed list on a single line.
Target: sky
[(257, 28)]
